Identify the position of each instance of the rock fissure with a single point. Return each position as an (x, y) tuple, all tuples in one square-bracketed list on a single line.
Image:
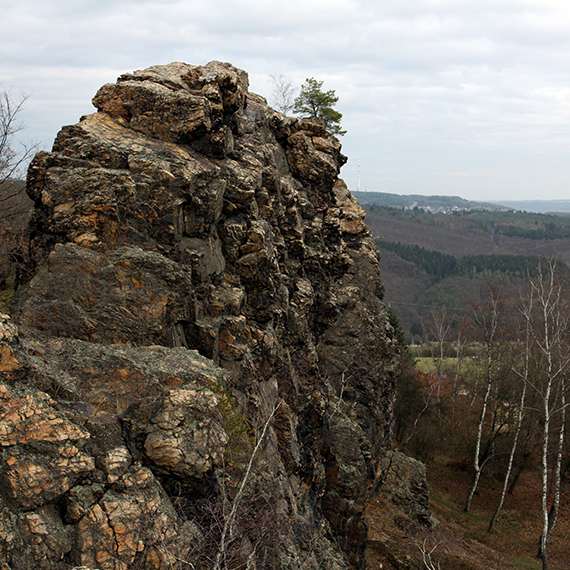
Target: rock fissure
[(198, 275)]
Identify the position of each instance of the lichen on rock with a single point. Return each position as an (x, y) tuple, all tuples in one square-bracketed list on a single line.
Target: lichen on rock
[(188, 241)]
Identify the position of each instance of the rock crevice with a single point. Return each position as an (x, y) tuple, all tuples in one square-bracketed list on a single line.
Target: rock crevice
[(198, 275)]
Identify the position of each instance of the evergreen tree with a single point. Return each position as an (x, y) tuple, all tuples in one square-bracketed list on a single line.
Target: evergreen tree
[(314, 102), (409, 401)]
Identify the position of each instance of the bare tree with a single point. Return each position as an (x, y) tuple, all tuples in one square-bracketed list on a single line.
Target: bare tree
[(486, 320), (12, 160), (282, 93), (438, 326), (458, 371), (549, 329), (553, 514), (14, 203), (230, 516), (523, 375)]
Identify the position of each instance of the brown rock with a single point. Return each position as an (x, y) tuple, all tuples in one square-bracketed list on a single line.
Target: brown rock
[(197, 269), (32, 478), (185, 436), (133, 521), (8, 362), (8, 330)]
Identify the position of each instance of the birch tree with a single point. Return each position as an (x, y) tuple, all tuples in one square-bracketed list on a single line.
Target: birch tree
[(523, 375), (438, 327), (458, 371), (282, 93), (549, 329), (486, 324)]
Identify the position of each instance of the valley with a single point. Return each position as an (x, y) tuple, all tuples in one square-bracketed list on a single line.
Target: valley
[(483, 245), (462, 289)]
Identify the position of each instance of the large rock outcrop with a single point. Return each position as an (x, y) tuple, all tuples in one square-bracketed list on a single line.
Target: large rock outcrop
[(202, 370)]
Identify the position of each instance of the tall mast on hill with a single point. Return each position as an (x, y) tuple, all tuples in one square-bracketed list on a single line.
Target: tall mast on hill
[(358, 179)]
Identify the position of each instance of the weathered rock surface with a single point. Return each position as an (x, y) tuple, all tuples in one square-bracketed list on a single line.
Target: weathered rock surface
[(198, 277), (404, 483)]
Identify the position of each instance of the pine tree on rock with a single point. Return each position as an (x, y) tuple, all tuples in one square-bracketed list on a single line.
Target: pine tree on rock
[(314, 102)]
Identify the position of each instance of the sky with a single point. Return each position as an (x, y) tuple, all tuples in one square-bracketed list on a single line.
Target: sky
[(439, 97)]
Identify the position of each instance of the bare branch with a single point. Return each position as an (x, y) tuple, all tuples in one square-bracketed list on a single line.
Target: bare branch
[(427, 552), (12, 160), (229, 521), (282, 93)]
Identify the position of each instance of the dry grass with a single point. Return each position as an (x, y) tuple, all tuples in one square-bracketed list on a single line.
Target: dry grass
[(461, 540), (518, 529)]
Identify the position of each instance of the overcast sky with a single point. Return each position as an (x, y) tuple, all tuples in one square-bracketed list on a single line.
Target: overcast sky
[(453, 97)]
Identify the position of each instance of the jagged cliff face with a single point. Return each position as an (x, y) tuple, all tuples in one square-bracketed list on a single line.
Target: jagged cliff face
[(199, 277)]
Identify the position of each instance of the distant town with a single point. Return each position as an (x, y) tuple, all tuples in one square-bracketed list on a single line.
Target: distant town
[(454, 209), (432, 204), (455, 204)]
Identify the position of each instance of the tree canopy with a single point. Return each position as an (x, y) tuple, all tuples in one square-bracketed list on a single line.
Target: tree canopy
[(314, 102)]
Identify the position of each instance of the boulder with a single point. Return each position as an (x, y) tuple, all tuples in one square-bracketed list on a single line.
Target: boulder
[(404, 483)]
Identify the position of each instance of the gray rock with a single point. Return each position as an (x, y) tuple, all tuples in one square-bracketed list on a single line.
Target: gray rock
[(404, 483), (199, 275)]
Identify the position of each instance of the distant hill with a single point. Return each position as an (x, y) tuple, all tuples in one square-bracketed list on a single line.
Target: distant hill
[(539, 206), (441, 260), (385, 199), (415, 200)]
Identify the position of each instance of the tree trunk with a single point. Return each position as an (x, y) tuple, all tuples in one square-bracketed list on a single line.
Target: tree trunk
[(476, 460), (520, 417), (553, 515), (486, 319), (511, 458)]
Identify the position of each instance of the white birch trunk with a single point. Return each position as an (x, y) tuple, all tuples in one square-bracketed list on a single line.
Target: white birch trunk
[(558, 469), (489, 326), (477, 459), (520, 417)]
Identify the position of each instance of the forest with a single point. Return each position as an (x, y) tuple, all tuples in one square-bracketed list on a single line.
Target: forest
[(488, 390), (432, 260), (445, 265)]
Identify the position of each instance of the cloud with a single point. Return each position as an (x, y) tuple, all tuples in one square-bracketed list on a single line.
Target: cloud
[(447, 94)]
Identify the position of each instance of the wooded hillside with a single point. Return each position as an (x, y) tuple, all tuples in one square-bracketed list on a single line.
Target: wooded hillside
[(441, 260)]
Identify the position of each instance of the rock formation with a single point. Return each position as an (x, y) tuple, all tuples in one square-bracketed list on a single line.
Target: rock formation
[(198, 371)]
